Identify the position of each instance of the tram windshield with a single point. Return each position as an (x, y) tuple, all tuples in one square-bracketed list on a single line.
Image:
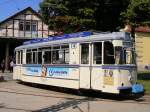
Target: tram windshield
[(124, 55), (129, 56), (111, 55)]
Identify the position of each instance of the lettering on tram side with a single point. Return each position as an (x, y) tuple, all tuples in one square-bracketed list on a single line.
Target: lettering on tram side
[(47, 72), (58, 72), (108, 77)]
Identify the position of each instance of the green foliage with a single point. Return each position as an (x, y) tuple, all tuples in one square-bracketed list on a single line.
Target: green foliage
[(108, 16), (138, 12), (64, 14), (104, 15), (86, 12)]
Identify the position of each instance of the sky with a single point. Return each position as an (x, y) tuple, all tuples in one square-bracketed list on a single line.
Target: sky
[(10, 7)]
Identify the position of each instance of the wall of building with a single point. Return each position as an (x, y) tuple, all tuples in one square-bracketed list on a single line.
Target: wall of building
[(11, 28), (142, 42), (17, 29)]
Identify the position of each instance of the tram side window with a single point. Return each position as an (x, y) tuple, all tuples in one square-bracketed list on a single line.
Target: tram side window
[(119, 55), (64, 54), (85, 53), (108, 53), (21, 60), (29, 57), (60, 54), (55, 56), (47, 57), (39, 57), (34, 57), (97, 59), (19, 57)]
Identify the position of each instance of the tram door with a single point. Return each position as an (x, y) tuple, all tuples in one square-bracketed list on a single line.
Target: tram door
[(18, 67), (96, 70), (85, 68)]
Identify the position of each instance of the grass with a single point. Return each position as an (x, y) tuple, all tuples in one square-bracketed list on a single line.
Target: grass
[(144, 78)]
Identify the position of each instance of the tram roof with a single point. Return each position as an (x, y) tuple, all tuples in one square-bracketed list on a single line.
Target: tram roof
[(85, 36)]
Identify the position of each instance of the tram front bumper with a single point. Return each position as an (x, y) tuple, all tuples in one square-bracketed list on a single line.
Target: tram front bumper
[(134, 89), (137, 88)]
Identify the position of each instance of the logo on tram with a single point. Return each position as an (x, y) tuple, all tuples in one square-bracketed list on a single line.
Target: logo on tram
[(58, 72)]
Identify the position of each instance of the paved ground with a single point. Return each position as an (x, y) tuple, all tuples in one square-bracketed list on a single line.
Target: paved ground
[(16, 97), (7, 75)]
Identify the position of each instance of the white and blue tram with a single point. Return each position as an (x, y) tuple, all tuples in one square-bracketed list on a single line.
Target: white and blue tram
[(97, 61)]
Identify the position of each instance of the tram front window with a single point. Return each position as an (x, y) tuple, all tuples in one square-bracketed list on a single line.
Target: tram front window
[(118, 55), (129, 56), (124, 56)]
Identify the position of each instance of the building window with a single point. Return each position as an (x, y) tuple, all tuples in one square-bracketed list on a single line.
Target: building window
[(34, 26), (21, 25), (28, 25)]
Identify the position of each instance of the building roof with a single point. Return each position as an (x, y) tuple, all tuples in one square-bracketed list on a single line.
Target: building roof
[(21, 12), (145, 29), (80, 37), (142, 29)]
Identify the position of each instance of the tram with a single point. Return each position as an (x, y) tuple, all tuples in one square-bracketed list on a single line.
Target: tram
[(84, 60)]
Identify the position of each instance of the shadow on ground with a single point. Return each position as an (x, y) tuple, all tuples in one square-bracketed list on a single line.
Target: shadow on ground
[(86, 97), (64, 105), (76, 103), (86, 93)]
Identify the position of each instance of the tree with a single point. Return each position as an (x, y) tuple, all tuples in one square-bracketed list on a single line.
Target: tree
[(107, 14), (137, 13), (50, 9), (68, 15), (104, 15)]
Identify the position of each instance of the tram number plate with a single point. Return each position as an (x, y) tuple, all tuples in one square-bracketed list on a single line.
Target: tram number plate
[(108, 80), (108, 77)]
